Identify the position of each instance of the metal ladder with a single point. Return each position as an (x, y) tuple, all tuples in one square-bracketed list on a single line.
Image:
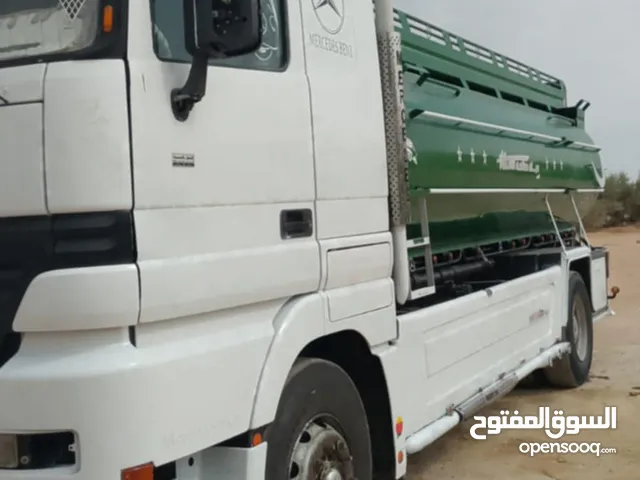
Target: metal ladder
[(425, 242)]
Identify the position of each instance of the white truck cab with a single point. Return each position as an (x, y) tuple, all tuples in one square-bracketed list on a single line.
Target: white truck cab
[(196, 263)]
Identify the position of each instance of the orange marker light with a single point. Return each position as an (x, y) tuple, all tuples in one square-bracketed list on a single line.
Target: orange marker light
[(141, 472), (107, 19), (256, 439), (399, 426), (400, 457)]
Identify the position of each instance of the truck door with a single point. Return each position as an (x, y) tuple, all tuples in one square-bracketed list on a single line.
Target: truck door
[(342, 66), (224, 192)]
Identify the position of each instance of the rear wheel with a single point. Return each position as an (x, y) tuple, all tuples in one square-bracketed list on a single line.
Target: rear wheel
[(321, 430), (573, 369)]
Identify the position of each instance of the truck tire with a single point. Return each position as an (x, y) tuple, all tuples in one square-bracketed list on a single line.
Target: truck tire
[(572, 370), (321, 429)]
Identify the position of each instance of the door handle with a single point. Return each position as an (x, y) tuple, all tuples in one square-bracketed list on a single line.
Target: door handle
[(296, 223)]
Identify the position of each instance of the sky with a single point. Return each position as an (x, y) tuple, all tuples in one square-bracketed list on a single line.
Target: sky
[(587, 43)]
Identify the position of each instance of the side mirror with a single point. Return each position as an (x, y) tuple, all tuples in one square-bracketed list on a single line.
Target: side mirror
[(222, 28), (214, 29)]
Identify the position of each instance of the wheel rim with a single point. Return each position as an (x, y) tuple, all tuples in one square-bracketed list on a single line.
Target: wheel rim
[(580, 334), (320, 453)]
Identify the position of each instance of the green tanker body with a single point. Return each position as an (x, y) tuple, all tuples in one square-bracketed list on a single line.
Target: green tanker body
[(479, 120), (491, 144)]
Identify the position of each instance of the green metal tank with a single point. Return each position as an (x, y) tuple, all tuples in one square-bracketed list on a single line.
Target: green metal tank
[(489, 139)]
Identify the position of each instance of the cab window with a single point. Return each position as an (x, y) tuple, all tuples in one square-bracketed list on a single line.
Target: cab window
[(168, 37)]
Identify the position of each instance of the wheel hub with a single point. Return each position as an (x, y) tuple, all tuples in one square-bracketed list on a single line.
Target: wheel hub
[(321, 453), (333, 474)]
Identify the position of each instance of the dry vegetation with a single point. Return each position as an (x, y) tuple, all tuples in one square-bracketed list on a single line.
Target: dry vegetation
[(619, 204)]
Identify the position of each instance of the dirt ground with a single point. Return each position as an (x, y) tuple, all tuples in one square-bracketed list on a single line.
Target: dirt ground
[(615, 381)]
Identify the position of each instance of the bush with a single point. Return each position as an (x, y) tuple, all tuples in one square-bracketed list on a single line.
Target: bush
[(618, 205)]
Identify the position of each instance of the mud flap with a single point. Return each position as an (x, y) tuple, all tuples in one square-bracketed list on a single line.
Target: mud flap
[(599, 274)]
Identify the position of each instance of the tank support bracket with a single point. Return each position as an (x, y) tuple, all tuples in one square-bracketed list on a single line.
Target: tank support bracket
[(583, 233)]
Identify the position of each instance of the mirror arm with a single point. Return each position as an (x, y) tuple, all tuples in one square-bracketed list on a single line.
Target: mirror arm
[(183, 99)]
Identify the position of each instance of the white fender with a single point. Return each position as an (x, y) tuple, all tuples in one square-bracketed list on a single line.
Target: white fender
[(298, 323)]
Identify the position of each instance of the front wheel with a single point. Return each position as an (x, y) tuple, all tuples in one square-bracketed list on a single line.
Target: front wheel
[(321, 430), (572, 370)]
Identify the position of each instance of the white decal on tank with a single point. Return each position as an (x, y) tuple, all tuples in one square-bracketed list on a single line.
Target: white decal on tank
[(459, 152), (599, 177), (412, 154), (517, 163)]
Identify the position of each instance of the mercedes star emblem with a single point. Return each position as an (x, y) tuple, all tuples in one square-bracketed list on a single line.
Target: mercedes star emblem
[(330, 14)]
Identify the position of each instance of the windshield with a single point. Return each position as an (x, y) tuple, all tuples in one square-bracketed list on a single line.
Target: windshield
[(38, 28)]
